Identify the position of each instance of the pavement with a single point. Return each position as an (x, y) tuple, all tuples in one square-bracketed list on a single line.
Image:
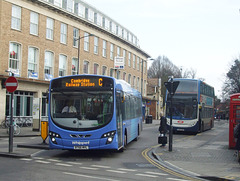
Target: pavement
[(25, 144), (190, 155), (205, 155)]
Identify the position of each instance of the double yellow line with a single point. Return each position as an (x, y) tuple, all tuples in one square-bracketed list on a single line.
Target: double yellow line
[(165, 169)]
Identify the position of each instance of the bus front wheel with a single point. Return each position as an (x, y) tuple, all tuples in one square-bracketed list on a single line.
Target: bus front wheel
[(125, 141)]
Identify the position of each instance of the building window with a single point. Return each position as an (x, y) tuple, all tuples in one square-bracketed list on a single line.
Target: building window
[(133, 82), (96, 67), (129, 79), (75, 37), (16, 17), (23, 102), (124, 76), (98, 19), (86, 41), (129, 59), (58, 3), (118, 51), (124, 56), (104, 70), (138, 63), (33, 62), (63, 38), (48, 65), (44, 105), (85, 67), (111, 51), (134, 61), (144, 87), (49, 28), (33, 23), (111, 72), (68, 5), (138, 83), (95, 45), (75, 66), (14, 58), (62, 65), (118, 74), (80, 9), (104, 51), (144, 67)]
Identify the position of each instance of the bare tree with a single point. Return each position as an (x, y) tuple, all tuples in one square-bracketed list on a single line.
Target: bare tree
[(162, 68), (189, 73), (232, 82)]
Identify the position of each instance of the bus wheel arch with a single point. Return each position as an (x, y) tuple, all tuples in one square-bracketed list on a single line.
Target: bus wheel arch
[(125, 139), (138, 133)]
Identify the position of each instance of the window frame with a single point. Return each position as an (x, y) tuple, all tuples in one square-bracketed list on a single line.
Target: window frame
[(62, 68), (49, 28), (16, 18), (63, 33), (33, 73), (34, 21)]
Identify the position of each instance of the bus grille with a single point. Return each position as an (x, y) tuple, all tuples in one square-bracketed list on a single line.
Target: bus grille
[(80, 136)]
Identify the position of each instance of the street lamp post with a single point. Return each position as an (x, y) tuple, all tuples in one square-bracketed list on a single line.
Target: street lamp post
[(142, 79), (78, 39)]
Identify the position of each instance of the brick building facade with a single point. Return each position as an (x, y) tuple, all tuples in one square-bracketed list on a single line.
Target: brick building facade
[(39, 41)]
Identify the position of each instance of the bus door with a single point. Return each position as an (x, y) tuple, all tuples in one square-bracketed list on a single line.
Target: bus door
[(119, 118), (234, 117)]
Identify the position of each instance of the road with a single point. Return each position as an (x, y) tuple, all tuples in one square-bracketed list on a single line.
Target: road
[(135, 163)]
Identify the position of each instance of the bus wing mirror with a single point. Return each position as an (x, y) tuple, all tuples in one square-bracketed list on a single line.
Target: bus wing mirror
[(123, 99)]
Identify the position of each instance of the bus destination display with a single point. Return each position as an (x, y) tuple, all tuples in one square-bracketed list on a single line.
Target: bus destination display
[(83, 82)]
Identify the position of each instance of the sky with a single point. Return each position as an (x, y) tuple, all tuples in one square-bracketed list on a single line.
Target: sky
[(203, 35)]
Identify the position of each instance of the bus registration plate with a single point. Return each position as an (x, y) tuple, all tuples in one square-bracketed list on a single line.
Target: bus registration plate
[(81, 147)]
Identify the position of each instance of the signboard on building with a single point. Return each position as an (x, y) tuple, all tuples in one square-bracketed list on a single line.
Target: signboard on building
[(119, 63)]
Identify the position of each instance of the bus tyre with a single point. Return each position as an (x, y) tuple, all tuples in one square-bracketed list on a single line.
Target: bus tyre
[(125, 142), (238, 156), (136, 139), (202, 127)]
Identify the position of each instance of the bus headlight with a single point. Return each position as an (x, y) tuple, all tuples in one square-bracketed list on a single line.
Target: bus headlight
[(53, 136), (109, 135)]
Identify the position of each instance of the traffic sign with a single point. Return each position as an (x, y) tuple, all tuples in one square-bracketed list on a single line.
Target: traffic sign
[(171, 86), (11, 84)]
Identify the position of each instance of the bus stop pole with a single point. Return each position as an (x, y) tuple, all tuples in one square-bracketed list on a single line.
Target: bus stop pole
[(171, 110), (171, 128), (10, 146)]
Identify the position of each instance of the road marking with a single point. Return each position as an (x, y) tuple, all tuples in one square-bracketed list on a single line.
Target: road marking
[(38, 158), (53, 160), (26, 159), (192, 173), (87, 176), (100, 166), (146, 175), (155, 173), (177, 179), (40, 161), (63, 164), (128, 170), (116, 171), (74, 163), (89, 168), (163, 168)]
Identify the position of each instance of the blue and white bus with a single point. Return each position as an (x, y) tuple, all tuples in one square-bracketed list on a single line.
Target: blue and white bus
[(193, 106), (107, 113)]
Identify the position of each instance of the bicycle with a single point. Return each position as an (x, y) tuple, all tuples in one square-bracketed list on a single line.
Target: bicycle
[(16, 128), (23, 121), (26, 122), (5, 124)]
